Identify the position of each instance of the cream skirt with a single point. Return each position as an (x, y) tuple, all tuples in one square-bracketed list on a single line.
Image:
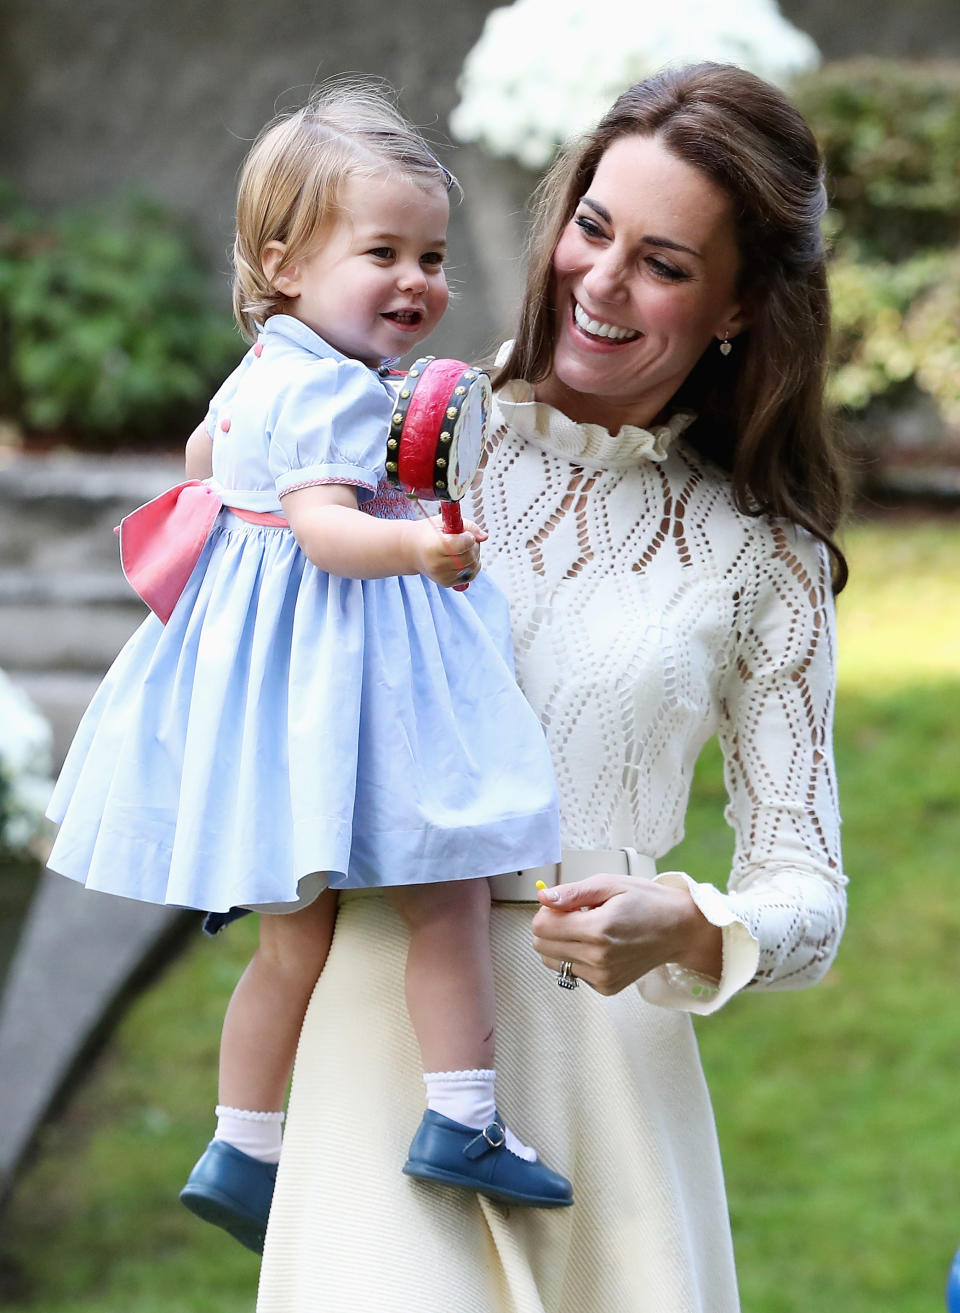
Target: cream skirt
[(609, 1091)]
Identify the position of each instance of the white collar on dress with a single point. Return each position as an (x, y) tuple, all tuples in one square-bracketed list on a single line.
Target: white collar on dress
[(583, 444)]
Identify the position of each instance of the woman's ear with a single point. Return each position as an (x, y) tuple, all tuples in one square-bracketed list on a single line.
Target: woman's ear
[(734, 324), (736, 320), (286, 282)]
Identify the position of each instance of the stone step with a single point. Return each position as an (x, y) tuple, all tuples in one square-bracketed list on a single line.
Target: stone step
[(35, 636), (62, 696)]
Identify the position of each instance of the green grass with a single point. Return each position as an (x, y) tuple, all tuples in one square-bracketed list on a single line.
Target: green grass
[(836, 1106)]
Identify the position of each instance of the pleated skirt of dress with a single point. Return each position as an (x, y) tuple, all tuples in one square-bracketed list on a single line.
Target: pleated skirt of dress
[(609, 1091), (286, 721)]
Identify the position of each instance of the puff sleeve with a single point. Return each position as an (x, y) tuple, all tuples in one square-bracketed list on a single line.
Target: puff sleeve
[(329, 425)]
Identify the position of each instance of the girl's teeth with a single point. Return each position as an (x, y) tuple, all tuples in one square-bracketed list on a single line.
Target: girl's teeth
[(596, 329)]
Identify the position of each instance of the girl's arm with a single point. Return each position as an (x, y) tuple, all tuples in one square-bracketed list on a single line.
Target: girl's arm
[(340, 539), (199, 454)]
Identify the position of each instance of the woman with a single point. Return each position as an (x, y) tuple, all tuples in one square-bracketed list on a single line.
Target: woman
[(660, 497)]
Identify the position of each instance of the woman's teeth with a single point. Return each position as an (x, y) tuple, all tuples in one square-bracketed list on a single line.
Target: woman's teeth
[(597, 329)]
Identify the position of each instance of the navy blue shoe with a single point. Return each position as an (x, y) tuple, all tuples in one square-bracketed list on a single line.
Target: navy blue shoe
[(451, 1154), (230, 1189)]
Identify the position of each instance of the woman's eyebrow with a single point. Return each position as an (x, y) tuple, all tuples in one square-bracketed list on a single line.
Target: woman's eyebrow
[(650, 240)]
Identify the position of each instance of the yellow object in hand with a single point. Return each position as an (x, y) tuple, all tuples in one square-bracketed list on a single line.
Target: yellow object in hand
[(541, 885)]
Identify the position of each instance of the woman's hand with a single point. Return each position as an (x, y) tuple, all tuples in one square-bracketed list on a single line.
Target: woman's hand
[(445, 557), (613, 929)]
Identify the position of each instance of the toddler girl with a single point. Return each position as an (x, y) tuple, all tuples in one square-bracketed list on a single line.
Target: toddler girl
[(321, 711)]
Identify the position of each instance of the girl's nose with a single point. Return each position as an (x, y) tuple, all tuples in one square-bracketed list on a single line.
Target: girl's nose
[(411, 278)]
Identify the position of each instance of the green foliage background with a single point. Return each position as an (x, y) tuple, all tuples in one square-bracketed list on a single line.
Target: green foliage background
[(836, 1105), (107, 336), (890, 133), (111, 333)]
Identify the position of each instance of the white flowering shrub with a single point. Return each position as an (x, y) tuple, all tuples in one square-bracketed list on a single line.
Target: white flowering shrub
[(545, 70), (25, 784)]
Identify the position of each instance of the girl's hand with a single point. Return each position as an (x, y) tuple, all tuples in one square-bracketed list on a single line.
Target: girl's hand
[(443, 557), (614, 929)]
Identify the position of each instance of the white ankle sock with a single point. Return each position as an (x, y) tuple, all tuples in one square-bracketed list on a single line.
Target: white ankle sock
[(468, 1097), (258, 1134)]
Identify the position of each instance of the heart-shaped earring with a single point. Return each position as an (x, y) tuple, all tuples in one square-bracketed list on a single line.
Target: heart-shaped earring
[(726, 346)]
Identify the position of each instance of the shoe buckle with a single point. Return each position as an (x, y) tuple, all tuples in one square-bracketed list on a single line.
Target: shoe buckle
[(493, 1143)]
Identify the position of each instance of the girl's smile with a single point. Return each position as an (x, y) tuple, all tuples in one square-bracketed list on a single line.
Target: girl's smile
[(375, 287)]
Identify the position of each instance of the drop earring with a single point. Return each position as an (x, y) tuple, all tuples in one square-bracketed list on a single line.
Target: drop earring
[(726, 346)]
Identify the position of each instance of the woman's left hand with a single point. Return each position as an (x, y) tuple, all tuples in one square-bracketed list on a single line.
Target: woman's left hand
[(613, 929)]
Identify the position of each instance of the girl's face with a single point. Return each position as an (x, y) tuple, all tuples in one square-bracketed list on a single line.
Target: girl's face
[(376, 286), (646, 278)]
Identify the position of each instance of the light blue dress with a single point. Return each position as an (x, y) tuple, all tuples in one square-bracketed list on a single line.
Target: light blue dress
[(286, 721)]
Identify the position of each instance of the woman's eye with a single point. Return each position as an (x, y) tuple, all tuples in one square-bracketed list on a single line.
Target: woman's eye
[(588, 226), (663, 270)]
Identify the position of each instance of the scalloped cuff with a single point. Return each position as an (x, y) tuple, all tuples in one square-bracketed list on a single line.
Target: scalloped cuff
[(364, 481), (676, 987)]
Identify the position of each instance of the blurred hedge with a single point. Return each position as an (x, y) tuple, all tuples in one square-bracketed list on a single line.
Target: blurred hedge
[(107, 336), (890, 132)]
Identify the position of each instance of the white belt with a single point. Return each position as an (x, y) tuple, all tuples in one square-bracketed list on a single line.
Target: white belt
[(576, 864)]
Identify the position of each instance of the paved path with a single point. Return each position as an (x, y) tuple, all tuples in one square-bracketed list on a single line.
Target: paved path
[(65, 610)]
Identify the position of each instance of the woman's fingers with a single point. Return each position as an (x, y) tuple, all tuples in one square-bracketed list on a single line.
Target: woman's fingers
[(631, 927)]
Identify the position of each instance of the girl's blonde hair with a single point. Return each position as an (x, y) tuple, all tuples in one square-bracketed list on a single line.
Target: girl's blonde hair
[(292, 178)]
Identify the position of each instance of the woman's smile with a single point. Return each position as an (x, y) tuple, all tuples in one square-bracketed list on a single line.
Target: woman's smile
[(599, 330), (645, 279)]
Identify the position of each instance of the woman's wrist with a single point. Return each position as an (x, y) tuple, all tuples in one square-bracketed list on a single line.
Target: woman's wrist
[(702, 951)]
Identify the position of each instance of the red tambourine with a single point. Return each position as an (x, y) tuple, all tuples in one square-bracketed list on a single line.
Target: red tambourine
[(437, 433)]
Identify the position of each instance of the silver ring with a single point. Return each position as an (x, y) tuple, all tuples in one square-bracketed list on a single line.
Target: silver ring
[(464, 576), (565, 977)]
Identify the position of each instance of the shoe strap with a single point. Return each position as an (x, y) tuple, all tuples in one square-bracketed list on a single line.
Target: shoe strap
[(491, 1137)]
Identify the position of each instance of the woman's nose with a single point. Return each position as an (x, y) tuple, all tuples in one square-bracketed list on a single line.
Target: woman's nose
[(604, 278)]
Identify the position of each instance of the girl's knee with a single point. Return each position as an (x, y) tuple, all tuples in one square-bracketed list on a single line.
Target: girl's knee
[(447, 900), (287, 939)]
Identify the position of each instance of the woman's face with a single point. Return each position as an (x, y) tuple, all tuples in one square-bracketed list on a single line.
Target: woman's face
[(646, 279)]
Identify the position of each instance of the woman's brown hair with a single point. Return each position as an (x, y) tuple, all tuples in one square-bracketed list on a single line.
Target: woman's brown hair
[(760, 411)]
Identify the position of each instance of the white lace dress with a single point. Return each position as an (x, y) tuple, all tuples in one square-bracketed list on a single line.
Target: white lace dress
[(648, 614)]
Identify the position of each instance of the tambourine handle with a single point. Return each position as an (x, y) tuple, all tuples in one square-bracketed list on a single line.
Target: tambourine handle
[(453, 523), (452, 519)]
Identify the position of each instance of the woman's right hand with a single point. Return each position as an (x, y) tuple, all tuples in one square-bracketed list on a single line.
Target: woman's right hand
[(444, 557)]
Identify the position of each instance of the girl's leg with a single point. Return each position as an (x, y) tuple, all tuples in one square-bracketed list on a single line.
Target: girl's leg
[(449, 981), (263, 1019), (451, 998), (231, 1185), (450, 995)]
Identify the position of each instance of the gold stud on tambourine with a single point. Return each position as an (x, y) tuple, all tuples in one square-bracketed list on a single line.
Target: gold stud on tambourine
[(437, 429)]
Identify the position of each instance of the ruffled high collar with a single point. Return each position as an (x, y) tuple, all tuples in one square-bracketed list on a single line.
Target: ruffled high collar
[(590, 445)]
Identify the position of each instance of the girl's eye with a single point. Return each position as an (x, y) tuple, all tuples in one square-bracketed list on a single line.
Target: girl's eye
[(588, 226), (382, 252), (668, 271), (434, 258)]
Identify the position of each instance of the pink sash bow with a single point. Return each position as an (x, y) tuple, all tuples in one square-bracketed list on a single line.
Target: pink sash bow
[(161, 541)]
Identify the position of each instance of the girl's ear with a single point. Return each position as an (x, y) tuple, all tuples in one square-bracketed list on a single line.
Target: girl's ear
[(287, 283)]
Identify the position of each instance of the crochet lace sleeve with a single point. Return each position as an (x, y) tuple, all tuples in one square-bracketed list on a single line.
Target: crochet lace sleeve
[(784, 909)]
